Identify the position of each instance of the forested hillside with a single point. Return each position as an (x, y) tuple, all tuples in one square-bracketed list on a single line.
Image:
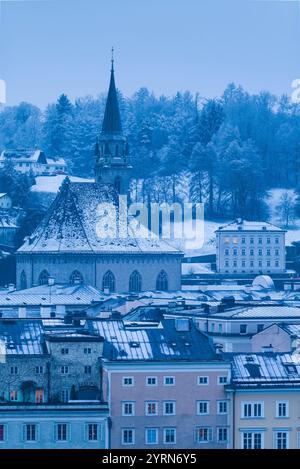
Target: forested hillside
[(226, 152)]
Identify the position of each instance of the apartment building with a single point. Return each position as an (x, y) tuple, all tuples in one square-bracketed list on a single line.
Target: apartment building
[(165, 386), (250, 247), (265, 398)]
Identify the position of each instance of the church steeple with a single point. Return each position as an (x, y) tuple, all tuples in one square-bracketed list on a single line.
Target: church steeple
[(111, 151), (112, 120)]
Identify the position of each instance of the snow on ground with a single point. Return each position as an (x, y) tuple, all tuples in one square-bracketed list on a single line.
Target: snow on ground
[(52, 183), (195, 268)]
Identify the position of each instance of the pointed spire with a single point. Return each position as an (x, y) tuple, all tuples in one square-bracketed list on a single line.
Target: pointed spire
[(112, 120)]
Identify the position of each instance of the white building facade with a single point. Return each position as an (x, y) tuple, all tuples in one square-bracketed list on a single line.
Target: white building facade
[(244, 247)]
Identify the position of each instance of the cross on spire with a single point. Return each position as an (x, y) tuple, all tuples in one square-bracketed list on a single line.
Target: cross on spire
[(112, 59)]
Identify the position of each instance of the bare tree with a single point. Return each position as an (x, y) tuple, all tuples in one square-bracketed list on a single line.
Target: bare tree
[(286, 208)]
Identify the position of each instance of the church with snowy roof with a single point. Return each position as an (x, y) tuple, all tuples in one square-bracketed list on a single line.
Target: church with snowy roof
[(66, 246)]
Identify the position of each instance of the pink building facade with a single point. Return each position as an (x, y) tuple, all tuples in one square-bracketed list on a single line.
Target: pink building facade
[(165, 386)]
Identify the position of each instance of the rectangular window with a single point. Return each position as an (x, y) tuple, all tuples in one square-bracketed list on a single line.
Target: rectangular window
[(251, 263), (281, 440), (282, 409), (151, 381), (30, 432), (260, 252), (243, 240), (268, 240), (87, 369), (222, 407), (222, 433), (234, 263), (2, 432), (169, 381), (235, 252), (251, 252), (39, 370), (243, 252), (151, 408), (127, 381), (259, 240), (39, 396), (13, 395), (243, 329), (252, 440), (235, 240), (203, 407), (226, 252), (220, 328), (226, 264), (222, 379), (276, 263), (226, 240), (276, 252), (252, 410), (251, 240), (128, 436), (259, 263), (92, 431), (203, 380), (64, 395), (169, 436), (260, 327), (268, 252), (13, 370), (169, 408), (64, 370), (203, 434), (243, 264), (276, 240), (212, 327), (61, 432), (65, 351), (268, 263), (151, 437), (87, 351), (128, 408)]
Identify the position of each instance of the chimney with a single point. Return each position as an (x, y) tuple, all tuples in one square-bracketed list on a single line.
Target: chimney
[(50, 281), (268, 349)]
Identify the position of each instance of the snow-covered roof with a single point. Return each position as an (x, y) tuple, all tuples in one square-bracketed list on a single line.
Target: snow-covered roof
[(56, 161), (2, 194), (74, 219), (265, 311), (80, 294), (23, 337), (33, 156), (243, 225), (265, 369), (149, 341)]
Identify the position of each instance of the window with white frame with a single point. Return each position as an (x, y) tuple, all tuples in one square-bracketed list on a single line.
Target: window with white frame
[(282, 409), (151, 381), (203, 380), (151, 408), (169, 436), (64, 370), (169, 408), (203, 434), (39, 370), (128, 408), (252, 409), (30, 432), (281, 439), (61, 432), (14, 370), (151, 436), (222, 433), (169, 381), (222, 379), (87, 351), (127, 381), (202, 407), (128, 436), (222, 407), (252, 440), (92, 432)]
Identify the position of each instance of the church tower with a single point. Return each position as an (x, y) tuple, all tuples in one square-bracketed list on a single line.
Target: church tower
[(112, 156)]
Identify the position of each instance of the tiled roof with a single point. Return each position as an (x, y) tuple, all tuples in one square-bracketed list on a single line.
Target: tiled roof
[(266, 311), (151, 341)]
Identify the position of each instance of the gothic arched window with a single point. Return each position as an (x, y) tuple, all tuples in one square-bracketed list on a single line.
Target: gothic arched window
[(76, 277), (117, 184), (109, 282), (162, 281), (23, 280), (135, 282), (43, 278)]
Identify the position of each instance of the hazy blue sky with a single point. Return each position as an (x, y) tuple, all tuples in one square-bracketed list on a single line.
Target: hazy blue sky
[(52, 46)]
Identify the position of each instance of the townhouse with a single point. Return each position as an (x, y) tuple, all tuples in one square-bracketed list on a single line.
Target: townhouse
[(265, 400), (164, 384)]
